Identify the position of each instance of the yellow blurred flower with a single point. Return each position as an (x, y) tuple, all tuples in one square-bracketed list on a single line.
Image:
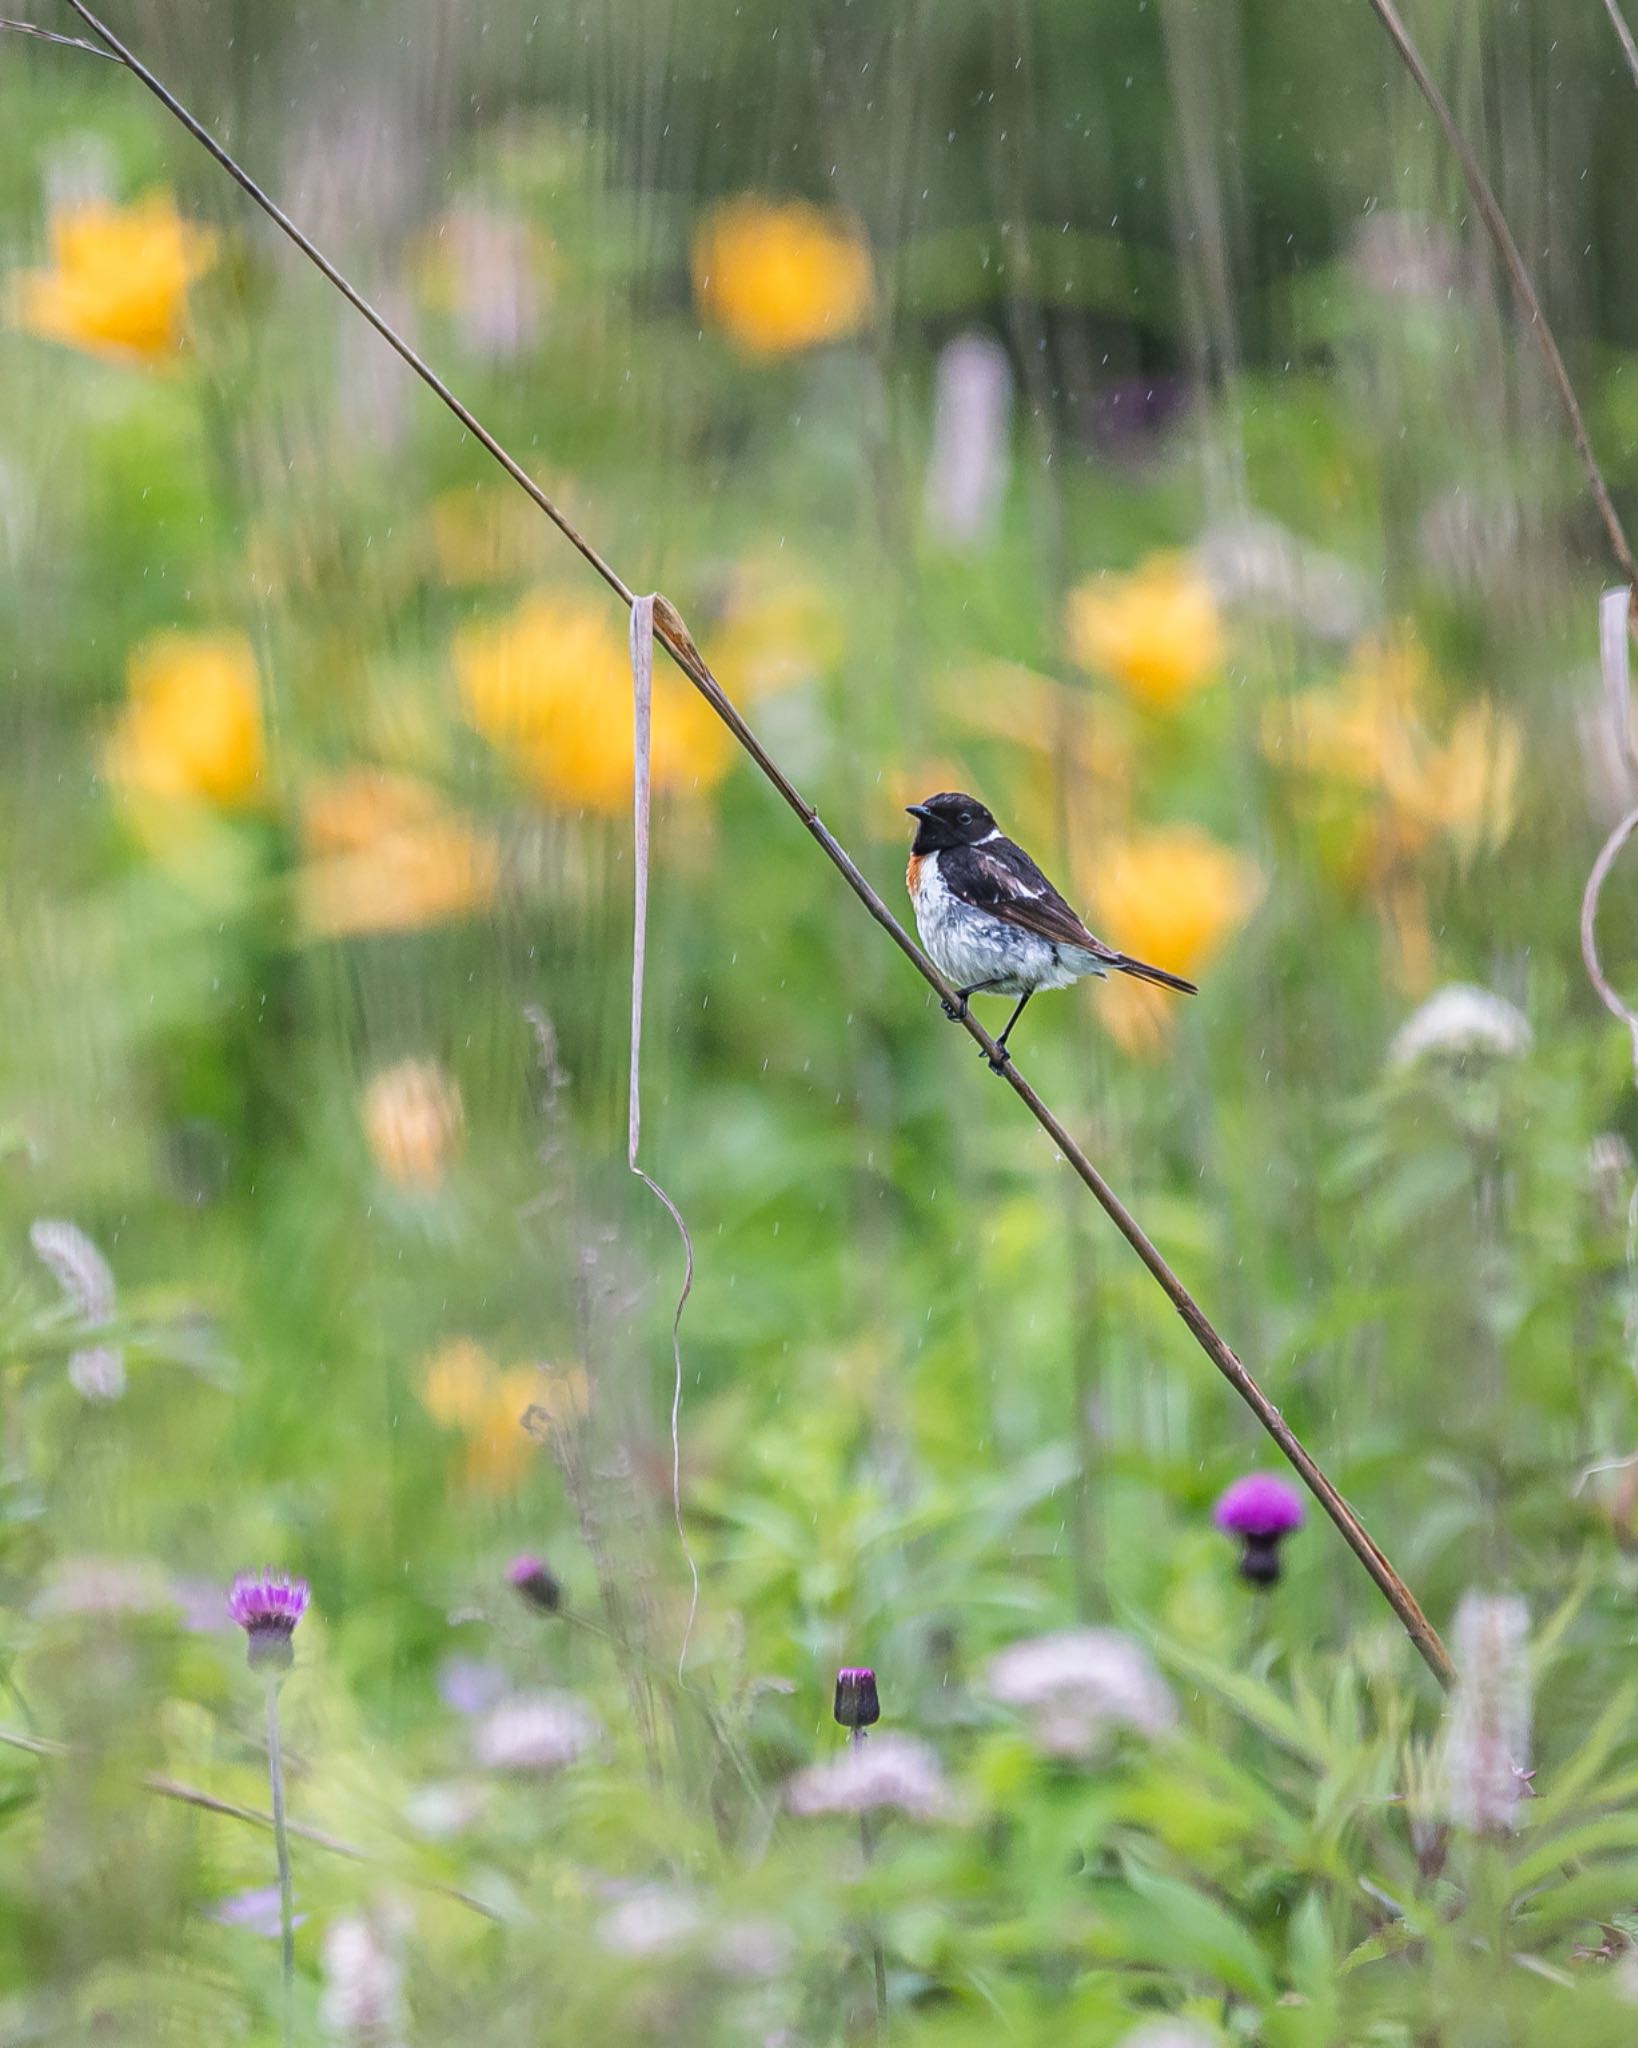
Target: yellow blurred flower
[(1362, 730), (1172, 896), (1156, 632), (562, 1397), (413, 1120), (465, 1392), (1467, 789), (455, 1383), (776, 630), (551, 687), (498, 1449), (118, 281), (781, 275), (386, 853), (191, 727), (1369, 733), (1070, 738)]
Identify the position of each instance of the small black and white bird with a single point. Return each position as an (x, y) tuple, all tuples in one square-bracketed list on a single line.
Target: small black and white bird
[(991, 921)]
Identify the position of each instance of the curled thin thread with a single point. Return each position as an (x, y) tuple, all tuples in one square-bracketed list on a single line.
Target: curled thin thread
[(1608, 854), (1615, 659), (642, 704)]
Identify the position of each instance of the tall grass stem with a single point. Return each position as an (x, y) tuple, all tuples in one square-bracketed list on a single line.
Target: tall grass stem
[(878, 1956), (281, 1847), (1518, 278)]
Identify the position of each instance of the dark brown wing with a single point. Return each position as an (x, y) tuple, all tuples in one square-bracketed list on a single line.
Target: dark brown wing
[(1002, 879)]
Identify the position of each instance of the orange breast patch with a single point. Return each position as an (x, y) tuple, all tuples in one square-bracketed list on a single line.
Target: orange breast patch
[(912, 874)]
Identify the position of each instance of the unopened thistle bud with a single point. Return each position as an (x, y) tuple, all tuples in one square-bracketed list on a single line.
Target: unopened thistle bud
[(533, 1581), (857, 1703)]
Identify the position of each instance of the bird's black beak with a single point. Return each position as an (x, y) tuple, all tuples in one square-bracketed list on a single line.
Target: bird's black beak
[(918, 810)]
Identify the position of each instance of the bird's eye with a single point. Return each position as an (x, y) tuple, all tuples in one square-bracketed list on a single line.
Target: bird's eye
[(966, 818)]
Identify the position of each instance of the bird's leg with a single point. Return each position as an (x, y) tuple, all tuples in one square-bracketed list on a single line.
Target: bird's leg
[(1002, 1054), (958, 1009)]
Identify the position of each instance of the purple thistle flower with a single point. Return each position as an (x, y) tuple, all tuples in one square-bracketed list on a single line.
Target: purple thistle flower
[(1260, 1504), (1262, 1510), (858, 1705), (267, 1607), (534, 1580)]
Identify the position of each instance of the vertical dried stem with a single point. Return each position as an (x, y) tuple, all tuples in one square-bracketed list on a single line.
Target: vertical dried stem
[(281, 1846), (867, 1848), (1629, 48), (642, 699), (1517, 276)]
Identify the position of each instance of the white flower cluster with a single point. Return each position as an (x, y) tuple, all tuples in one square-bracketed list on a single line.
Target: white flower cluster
[(887, 1772), (87, 1282), (535, 1733), (1487, 1736), (1461, 1022), (1080, 1685), (361, 2002)]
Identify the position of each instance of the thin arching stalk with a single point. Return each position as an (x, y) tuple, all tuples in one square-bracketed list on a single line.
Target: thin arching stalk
[(228, 1809), (1518, 277), (1629, 49)]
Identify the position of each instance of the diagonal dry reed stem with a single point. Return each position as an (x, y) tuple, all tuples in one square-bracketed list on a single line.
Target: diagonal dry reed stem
[(674, 637), (46, 35), (1629, 48), (207, 1802), (1518, 278)]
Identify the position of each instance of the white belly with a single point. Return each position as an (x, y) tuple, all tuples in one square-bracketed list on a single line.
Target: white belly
[(967, 946)]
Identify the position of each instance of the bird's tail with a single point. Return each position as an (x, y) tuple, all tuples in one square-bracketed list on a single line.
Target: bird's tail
[(1140, 970)]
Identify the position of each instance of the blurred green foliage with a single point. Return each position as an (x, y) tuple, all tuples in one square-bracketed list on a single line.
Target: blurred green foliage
[(267, 988)]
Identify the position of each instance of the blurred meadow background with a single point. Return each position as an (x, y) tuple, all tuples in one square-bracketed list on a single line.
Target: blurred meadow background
[(1111, 408)]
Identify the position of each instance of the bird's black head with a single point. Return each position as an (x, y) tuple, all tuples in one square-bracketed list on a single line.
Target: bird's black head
[(950, 820)]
